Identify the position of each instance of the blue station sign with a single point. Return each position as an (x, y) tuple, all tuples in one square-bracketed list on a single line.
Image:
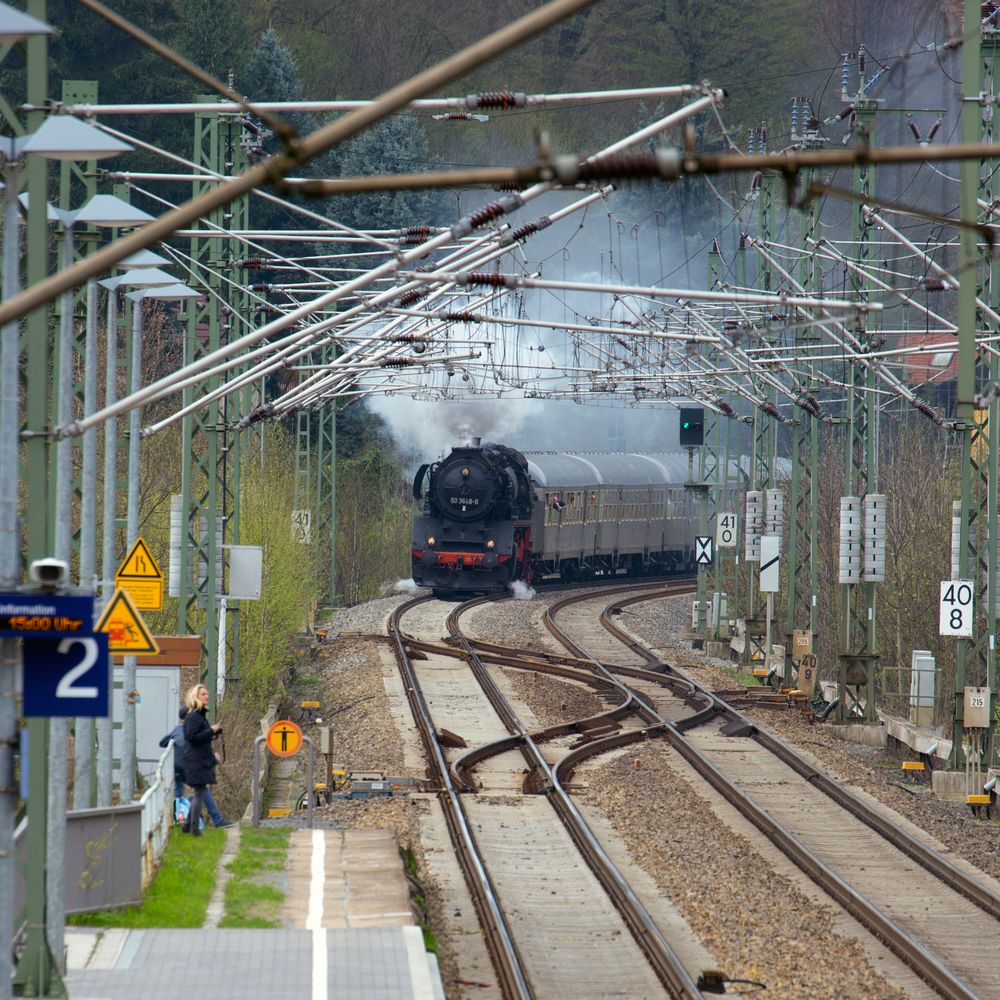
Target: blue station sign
[(45, 616), (66, 677)]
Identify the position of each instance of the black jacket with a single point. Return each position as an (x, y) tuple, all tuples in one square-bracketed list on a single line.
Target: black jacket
[(199, 758)]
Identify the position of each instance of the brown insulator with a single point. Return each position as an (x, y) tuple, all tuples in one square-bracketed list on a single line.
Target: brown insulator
[(501, 99), (460, 317), (413, 295), (727, 409), (486, 214), (927, 410), (933, 284), (619, 165), (934, 129), (491, 279), (415, 235), (914, 129), (770, 409)]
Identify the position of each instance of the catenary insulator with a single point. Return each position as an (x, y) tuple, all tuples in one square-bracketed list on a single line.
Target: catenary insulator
[(501, 99), (413, 295)]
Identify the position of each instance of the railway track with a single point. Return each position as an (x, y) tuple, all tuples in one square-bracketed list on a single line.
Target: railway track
[(932, 914), (516, 976), (506, 958)]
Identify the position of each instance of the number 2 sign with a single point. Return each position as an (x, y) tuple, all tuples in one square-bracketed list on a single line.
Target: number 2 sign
[(956, 608), (65, 677)]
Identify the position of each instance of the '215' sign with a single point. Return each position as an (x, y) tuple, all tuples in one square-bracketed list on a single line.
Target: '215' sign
[(66, 677), (955, 617)]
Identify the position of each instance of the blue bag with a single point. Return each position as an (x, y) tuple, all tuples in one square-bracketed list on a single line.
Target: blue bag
[(182, 809)]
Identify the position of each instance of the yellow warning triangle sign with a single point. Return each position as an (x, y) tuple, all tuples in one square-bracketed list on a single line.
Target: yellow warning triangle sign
[(127, 632), (139, 564)]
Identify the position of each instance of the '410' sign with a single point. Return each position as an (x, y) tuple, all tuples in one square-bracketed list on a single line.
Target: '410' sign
[(302, 526)]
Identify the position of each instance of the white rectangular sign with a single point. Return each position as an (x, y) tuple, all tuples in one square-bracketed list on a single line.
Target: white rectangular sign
[(245, 571), (770, 569), (956, 609), (725, 530), (302, 526)]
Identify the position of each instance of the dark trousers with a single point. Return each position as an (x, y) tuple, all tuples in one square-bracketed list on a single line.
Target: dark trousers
[(197, 803)]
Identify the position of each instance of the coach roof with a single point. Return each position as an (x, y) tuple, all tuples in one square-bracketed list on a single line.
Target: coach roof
[(567, 470)]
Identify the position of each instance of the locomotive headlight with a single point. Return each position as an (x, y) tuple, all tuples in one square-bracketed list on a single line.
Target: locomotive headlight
[(465, 472), (490, 544), (431, 539)]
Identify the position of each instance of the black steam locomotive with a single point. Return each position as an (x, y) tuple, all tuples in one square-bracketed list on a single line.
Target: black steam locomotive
[(475, 527), (491, 515)]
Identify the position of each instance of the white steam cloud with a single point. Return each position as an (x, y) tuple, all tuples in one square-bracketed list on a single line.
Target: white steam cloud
[(520, 591)]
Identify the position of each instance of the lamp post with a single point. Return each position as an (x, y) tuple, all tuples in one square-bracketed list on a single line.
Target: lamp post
[(146, 279), (59, 139), (105, 211), (15, 27)]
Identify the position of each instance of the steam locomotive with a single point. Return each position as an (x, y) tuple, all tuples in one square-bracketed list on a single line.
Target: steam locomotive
[(490, 515)]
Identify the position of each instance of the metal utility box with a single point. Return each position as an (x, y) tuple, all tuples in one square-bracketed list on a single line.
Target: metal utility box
[(720, 608), (977, 708), (156, 708), (923, 678)]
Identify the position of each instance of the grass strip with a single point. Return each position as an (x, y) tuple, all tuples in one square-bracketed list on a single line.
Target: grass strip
[(251, 899), (180, 891)]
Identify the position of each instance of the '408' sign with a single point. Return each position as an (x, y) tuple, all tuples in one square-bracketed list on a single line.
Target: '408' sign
[(956, 608)]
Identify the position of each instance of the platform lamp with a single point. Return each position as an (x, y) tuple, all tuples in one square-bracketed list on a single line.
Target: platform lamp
[(58, 138), (136, 278), (15, 26), (108, 212), (173, 292)]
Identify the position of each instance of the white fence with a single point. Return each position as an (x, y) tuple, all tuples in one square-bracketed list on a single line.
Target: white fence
[(157, 814)]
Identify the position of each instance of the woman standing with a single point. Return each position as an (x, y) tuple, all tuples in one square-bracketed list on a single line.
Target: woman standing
[(199, 758)]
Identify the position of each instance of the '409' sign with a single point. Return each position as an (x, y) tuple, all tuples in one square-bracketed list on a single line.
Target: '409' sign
[(956, 609)]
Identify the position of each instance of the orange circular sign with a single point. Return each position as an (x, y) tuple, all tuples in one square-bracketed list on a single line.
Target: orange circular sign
[(284, 738)]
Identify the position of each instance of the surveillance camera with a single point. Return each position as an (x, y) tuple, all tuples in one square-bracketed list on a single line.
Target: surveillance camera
[(49, 573)]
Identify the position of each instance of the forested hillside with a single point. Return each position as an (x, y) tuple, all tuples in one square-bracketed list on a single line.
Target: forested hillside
[(762, 51)]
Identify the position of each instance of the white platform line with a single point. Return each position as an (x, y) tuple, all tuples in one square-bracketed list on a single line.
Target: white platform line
[(314, 919), (420, 973)]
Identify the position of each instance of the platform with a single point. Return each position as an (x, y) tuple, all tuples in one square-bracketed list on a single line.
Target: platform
[(354, 963)]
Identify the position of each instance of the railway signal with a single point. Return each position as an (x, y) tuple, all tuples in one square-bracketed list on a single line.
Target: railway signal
[(692, 426)]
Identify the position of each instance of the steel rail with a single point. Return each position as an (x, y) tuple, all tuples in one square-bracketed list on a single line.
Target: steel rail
[(647, 934), (507, 962), (912, 952), (912, 847)]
